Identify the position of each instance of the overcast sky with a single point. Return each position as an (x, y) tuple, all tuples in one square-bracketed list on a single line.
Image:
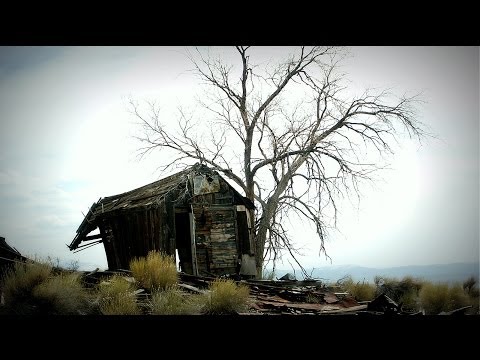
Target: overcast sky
[(66, 140)]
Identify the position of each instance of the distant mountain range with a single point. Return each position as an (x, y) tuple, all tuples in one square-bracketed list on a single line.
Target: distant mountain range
[(435, 273)]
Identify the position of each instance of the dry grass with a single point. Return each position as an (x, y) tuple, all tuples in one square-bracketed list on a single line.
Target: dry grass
[(435, 298), (62, 295), (361, 291), (173, 301), (312, 299), (117, 297), (34, 288), (457, 298), (226, 297), (156, 271), (18, 285)]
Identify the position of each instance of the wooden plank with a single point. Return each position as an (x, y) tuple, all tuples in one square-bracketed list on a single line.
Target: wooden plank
[(193, 247), (346, 310), (192, 288)]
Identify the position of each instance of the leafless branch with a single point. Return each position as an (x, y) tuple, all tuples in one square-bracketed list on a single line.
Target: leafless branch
[(293, 153)]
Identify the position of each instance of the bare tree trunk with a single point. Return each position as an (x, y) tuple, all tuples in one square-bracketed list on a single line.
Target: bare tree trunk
[(268, 214)]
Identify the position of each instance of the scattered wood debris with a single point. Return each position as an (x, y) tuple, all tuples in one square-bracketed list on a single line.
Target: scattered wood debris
[(287, 297)]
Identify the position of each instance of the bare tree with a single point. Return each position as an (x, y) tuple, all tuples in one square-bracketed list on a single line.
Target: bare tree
[(291, 135)]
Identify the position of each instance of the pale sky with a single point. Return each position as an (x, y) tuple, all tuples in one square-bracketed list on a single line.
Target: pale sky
[(66, 140)]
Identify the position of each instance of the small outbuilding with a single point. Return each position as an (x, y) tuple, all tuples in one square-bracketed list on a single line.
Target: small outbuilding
[(194, 215)]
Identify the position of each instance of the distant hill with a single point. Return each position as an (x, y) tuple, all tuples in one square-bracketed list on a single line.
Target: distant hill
[(436, 273)]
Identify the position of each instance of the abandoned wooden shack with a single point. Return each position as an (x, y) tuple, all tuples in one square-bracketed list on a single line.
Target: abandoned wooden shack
[(194, 214)]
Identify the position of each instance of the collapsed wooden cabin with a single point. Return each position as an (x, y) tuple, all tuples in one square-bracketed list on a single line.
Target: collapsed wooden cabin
[(194, 214)]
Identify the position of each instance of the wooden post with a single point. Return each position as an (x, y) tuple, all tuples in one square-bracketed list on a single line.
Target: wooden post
[(192, 236)]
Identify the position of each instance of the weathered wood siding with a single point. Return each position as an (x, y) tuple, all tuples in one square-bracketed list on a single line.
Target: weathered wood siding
[(221, 237), (135, 233), (216, 245)]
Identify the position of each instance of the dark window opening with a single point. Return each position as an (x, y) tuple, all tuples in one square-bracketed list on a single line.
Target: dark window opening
[(243, 233)]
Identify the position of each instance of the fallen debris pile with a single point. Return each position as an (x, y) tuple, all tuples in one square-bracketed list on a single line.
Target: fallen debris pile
[(287, 297), (308, 297)]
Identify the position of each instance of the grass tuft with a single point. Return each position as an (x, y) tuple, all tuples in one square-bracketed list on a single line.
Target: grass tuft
[(226, 297), (435, 298), (62, 294), (117, 297), (18, 284), (173, 301), (155, 271), (361, 291)]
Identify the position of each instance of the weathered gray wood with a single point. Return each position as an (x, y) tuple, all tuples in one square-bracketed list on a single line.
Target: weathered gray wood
[(459, 311), (92, 272), (346, 310), (192, 288)]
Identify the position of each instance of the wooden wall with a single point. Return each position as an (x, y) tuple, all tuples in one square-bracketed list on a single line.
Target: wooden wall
[(219, 242), (215, 238), (135, 233)]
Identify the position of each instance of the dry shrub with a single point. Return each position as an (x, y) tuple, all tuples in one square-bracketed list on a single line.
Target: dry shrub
[(457, 298), (156, 271), (470, 286), (226, 297), (18, 284), (434, 298), (62, 294), (117, 297), (408, 290), (173, 301), (363, 291)]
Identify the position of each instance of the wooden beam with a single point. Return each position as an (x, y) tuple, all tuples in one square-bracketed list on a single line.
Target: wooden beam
[(93, 237), (191, 218), (83, 247)]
